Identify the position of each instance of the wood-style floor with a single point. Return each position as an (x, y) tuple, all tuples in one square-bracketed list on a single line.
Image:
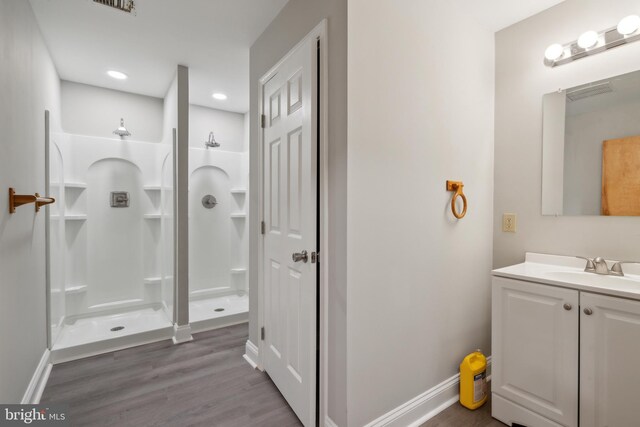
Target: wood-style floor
[(459, 416), (205, 382)]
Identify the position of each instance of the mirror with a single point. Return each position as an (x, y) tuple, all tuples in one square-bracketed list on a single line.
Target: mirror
[(591, 149)]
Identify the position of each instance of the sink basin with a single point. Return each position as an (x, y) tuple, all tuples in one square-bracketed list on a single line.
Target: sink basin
[(568, 272), (582, 277)]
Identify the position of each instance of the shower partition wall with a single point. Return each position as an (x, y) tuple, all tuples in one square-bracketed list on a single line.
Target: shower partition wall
[(110, 234), (57, 238)]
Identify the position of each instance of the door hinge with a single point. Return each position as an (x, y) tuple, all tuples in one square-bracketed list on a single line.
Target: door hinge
[(263, 227), (315, 257), (262, 333), (263, 121)]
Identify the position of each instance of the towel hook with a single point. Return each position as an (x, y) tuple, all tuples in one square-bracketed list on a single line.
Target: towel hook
[(457, 187)]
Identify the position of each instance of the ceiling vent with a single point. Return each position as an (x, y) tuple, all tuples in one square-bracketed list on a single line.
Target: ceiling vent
[(122, 5), (587, 92)]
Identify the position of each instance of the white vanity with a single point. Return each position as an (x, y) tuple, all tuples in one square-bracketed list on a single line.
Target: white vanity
[(565, 344)]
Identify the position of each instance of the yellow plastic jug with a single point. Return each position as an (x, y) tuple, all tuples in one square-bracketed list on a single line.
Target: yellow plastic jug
[(473, 380)]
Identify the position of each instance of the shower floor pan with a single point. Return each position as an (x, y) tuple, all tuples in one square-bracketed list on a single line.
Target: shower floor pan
[(90, 335), (217, 312)]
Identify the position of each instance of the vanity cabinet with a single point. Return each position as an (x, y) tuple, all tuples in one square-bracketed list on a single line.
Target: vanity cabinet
[(609, 361), (559, 351), (535, 351)]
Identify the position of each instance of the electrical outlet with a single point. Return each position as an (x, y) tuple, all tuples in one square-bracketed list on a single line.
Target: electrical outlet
[(509, 223)]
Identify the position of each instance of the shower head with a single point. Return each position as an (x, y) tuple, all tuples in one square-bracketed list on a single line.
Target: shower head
[(211, 142), (122, 131)]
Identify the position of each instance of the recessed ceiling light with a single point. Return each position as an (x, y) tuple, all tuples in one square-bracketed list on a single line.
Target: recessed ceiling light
[(219, 96), (117, 75)]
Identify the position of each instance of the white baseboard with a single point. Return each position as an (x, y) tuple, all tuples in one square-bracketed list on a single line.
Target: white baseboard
[(38, 381), (182, 334), (251, 355), (425, 406), (328, 422)]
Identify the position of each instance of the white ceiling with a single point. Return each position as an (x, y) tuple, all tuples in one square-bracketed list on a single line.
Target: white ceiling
[(499, 14), (211, 37)]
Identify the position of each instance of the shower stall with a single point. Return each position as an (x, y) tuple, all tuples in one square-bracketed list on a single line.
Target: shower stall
[(111, 244), (218, 231), (111, 234)]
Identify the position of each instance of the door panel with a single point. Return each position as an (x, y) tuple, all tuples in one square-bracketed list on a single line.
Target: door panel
[(535, 347), (609, 349), (290, 215)]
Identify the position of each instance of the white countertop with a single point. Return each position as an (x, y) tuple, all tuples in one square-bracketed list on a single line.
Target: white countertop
[(568, 272)]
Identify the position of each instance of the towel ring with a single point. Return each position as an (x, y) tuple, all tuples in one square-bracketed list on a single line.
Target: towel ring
[(457, 187)]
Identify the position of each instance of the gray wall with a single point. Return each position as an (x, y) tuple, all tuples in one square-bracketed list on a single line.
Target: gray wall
[(521, 81), (95, 111), (294, 22), (29, 84), (420, 113)]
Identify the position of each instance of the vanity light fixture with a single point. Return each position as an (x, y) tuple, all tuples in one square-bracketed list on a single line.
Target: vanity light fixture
[(629, 25), (554, 52), (588, 39), (593, 42)]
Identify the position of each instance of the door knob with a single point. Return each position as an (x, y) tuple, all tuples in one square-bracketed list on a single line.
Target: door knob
[(300, 256), (567, 306), (588, 311)]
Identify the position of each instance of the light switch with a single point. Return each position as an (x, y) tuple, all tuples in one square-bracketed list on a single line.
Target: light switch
[(509, 222)]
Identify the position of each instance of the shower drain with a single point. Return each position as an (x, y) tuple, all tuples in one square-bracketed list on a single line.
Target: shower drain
[(219, 309), (117, 328)]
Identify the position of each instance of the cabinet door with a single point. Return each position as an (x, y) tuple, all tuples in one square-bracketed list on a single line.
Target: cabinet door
[(535, 348), (609, 357)]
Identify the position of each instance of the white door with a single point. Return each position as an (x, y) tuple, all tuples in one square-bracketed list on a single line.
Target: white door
[(535, 348), (609, 355), (289, 151)]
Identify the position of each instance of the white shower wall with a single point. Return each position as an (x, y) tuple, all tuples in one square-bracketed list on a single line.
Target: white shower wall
[(57, 236), (218, 237), (120, 261), (112, 255), (228, 127)]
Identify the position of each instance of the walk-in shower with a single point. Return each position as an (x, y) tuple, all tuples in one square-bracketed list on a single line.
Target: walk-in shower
[(218, 223), (111, 241), (109, 287)]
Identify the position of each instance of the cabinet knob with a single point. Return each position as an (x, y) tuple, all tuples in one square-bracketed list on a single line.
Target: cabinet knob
[(588, 311), (567, 306)]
